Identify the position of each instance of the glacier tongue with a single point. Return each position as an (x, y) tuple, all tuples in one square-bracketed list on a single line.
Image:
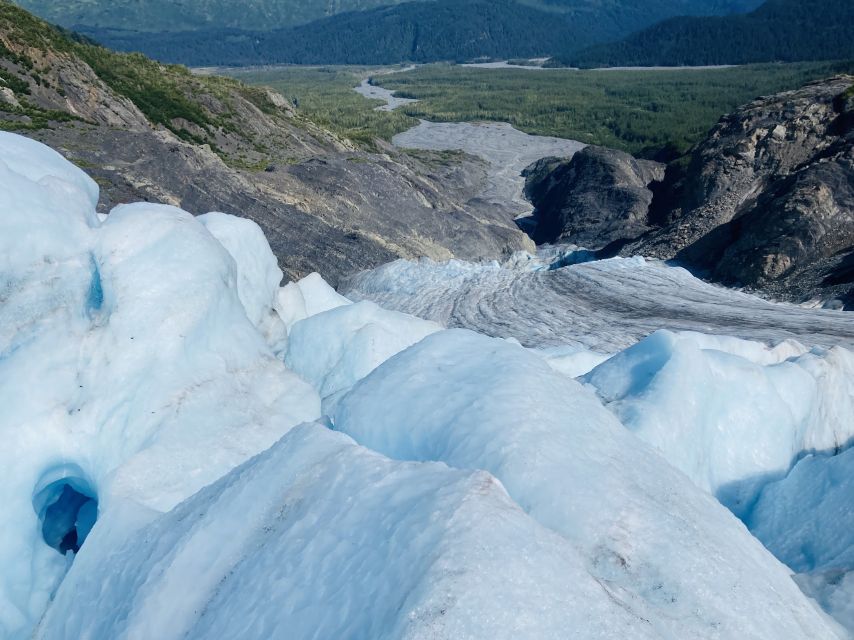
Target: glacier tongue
[(605, 306), (161, 397)]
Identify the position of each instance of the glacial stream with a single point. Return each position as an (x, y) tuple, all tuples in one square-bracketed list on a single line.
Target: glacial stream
[(506, 149)]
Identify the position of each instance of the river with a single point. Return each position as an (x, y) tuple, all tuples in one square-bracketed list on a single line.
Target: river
[(506, 149)]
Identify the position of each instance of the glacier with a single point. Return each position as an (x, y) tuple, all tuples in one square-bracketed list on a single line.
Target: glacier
[(560, 298), (541, 448)]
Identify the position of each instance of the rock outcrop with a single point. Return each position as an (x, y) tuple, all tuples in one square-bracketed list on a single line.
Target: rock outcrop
[(598, 197), (765, 202)]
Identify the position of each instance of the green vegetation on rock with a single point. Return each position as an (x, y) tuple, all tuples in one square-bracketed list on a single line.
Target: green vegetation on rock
[(325, 96)]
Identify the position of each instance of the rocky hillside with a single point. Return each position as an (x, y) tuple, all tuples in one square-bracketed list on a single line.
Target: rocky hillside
[(146, 131), (599, 197), (766, 201)]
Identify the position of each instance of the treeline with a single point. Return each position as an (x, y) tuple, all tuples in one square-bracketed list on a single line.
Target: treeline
[(655, 114), (464, 30), (416, 32), (778, 31), (426, 31)]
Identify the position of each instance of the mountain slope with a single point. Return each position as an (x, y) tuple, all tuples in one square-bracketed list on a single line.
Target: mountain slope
[(370, 34), (416, 32), (146, 131), (780, 30), (605, 20), (765, 201), (167, 15)]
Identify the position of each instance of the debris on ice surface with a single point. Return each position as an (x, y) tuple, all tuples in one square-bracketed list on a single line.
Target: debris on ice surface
[(604, 306)]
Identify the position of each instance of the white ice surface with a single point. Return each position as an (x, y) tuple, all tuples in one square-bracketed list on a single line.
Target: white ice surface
[(258, 273), (806, 520), (834, 591), (335, 541), (334, 349), (667, 551), (572, 361), (305, 298), (731, 414), (126, 360)]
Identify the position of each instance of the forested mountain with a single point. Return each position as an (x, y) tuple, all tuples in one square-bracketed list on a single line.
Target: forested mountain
[(416, 32), (204, 32), (779, 30), (169, 15), (617, 16), (607, 20)]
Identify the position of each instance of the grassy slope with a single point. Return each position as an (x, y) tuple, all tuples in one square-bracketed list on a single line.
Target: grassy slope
[(325, 95)]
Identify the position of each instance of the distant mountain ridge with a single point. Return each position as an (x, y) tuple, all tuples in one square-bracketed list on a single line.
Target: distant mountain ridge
[(209, 32), (413, 32), (168, 15), (778, 31)]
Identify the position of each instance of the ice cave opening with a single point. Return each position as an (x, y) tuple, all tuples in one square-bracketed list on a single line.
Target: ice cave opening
[(67, 507)]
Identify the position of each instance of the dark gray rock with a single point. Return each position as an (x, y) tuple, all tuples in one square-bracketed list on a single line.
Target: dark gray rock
[(767, 200), (598, 197)]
